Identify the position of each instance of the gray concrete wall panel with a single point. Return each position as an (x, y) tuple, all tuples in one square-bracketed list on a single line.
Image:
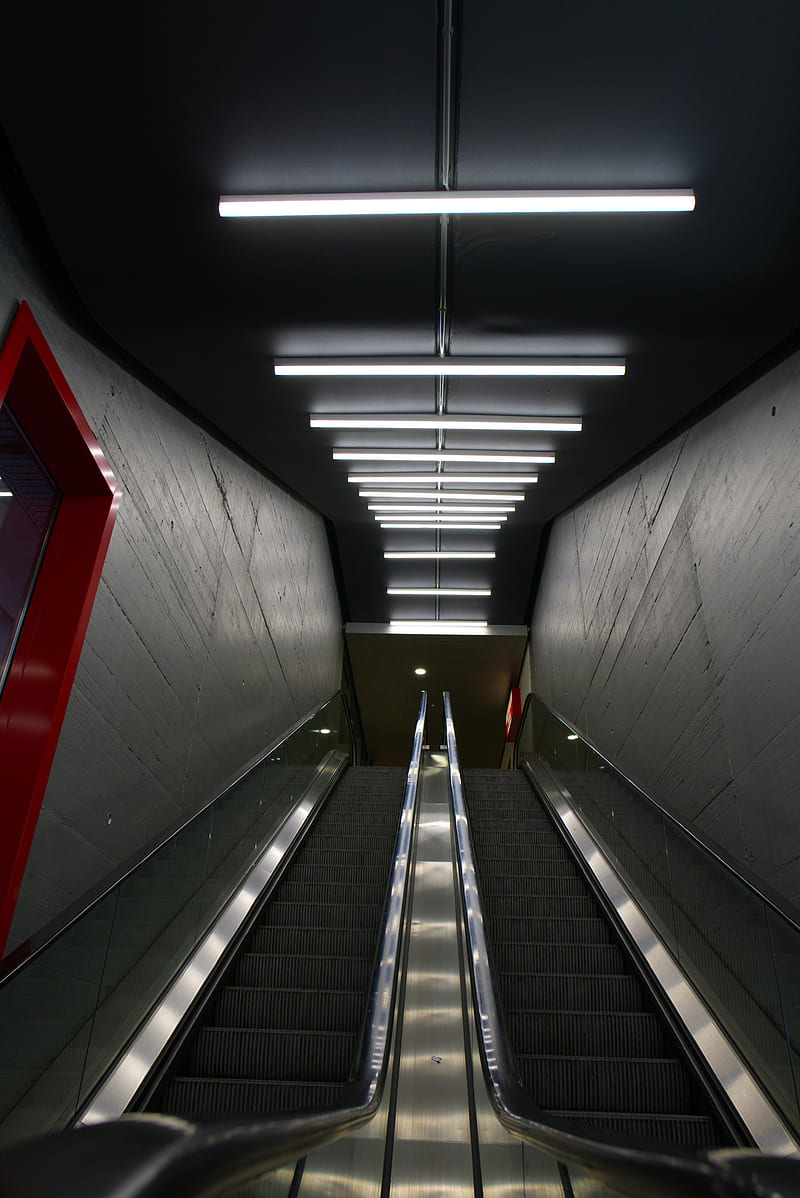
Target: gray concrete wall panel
[(667, 624), (216, 621)]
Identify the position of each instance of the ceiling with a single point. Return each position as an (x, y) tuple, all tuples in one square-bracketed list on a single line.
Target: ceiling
[(128, 123)]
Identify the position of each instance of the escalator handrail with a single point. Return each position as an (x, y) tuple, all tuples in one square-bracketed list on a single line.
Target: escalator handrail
[(751, 881), (156, 1156), (34, 946), (631, 1171)]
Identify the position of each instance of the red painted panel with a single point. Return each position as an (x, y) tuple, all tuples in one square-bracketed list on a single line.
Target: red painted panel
[(513, 714), (35, 696)]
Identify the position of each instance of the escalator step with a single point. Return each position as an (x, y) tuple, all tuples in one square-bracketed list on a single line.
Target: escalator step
[(572, 958), (306, 973), (586, 1033), (572, 992), (332, 891), (362, 860), (556, 906), (252, 1006), (500, 890), (261, 1054), (321, 942), (207, 1097), (601, 1084), (690, 1131), (344, 875), (532, 931), (322, 915)]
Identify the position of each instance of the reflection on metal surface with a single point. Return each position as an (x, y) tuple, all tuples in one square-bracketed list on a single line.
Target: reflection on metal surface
[(765, 1126)]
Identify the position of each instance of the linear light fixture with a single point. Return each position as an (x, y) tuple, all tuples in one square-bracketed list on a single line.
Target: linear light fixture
[(448, 592), (426, 555), (439, 517), (457, 203), (413, 480), (441, 455), (440, 627), (416, 367), (448, 497), (6, 494), (489, 424), (439, 527), (445, 510)]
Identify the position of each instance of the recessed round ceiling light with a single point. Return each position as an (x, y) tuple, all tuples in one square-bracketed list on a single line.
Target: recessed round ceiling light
[(420, 670)]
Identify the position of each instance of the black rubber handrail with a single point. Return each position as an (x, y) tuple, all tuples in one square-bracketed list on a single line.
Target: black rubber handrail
[(157, 1156), (25, 952), (751, 881), (640, 1174)]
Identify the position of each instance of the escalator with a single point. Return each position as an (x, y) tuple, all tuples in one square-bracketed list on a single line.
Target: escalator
[(579, 1059), (589, 1043), (281, 1032)]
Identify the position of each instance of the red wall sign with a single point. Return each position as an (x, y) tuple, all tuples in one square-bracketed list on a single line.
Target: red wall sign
[(34, 697), (513, 714)]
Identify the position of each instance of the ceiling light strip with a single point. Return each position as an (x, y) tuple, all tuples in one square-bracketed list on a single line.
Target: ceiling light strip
[(437, 628), (443, 509), (447, 592), (448, 497), (413, 480), (458, 203), (425, 555), (441, 455), (440, 516), (511, 424), (440, 527), (427, 367)]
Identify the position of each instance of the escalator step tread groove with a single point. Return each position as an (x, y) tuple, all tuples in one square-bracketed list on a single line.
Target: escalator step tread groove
[(265, 1054), (257, 1006), (207, 1097)]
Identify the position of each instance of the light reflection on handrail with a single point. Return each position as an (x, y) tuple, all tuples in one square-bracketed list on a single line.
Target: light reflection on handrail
[(640, 1174), (150, 1156)]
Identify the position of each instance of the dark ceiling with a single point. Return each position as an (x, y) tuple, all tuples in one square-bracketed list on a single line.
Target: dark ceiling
[(129, 121)]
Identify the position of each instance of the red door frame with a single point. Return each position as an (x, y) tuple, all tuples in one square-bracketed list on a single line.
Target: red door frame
[(37, 688)]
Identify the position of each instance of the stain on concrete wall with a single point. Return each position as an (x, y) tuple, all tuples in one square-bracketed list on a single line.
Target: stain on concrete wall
[(216, 623), (667, 626)]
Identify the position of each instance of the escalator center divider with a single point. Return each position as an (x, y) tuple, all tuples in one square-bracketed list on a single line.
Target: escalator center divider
[(282, 1030), (592, 1052)]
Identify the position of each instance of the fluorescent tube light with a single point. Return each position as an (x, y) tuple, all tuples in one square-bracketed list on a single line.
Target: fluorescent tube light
[(440, 627), (510, 424), (447, 497), (413, 480), (440, 455), (448, 592), (457, 203), (445, 510), (438, 517), (439, 527), (426, 555), (6, 494), (416, 367)]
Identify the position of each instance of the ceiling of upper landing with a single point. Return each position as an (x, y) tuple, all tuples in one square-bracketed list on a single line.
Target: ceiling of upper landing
[(128, 122)]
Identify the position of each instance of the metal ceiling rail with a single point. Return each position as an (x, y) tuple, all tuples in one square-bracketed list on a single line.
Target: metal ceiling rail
[(742, 1173), (156, 1156)]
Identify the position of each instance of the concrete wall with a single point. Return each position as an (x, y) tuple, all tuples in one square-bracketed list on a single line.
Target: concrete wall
[(216, 622), (667, 626)]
